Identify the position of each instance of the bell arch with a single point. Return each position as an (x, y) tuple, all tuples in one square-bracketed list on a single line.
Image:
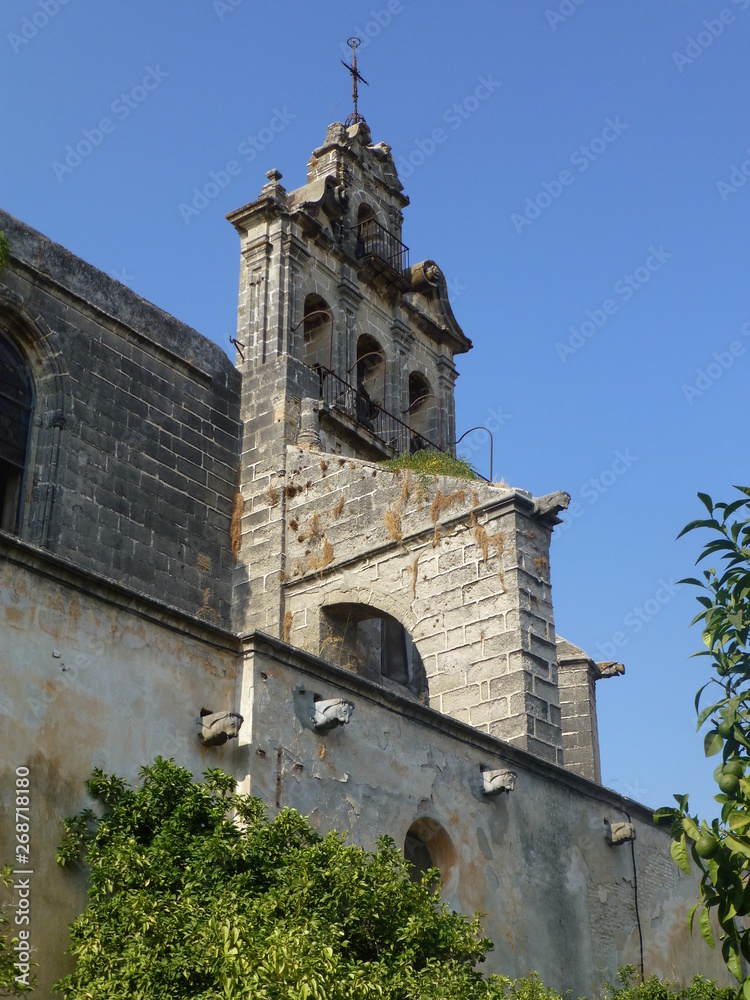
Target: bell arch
[(423, 411), (317, 332)]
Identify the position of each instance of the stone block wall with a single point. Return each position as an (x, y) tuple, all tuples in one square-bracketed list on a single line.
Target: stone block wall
[(135, 436), (578, 678), (462, 565)]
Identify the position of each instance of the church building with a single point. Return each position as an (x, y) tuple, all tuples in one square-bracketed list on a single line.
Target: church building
[(208, 560)]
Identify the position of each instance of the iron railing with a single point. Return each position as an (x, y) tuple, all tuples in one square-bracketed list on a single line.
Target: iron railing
[(374, 240), (338, 394)]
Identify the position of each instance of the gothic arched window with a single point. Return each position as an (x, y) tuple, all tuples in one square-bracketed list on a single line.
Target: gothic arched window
[(16, 403)]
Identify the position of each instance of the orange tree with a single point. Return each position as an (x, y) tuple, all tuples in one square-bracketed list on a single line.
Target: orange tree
[(721, 847), (195, 893)]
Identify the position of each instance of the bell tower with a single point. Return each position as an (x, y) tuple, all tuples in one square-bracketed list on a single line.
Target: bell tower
[(341, 341)]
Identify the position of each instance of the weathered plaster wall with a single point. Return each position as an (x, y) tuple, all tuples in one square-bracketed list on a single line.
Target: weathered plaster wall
[(462, 565), (556, 896), (95, 676), (91, 677), (135, 440)]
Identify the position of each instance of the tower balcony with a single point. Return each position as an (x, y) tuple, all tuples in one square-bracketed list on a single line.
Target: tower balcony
[(355, 406), (383, 252)]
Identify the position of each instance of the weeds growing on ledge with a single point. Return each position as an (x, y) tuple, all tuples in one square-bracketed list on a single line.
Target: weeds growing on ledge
[(432, 463)]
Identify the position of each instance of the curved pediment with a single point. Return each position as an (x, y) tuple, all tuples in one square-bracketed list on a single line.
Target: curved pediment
[(430, 306)]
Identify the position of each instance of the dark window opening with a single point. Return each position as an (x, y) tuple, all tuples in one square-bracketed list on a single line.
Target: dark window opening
[(427, 845), (16, 402), (417, 853), (372, 644), (369, 381)]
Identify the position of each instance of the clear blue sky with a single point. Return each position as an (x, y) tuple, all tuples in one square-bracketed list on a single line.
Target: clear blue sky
[(584, 195)]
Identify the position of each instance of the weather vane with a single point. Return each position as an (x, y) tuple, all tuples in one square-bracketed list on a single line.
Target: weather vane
[(355, 117)]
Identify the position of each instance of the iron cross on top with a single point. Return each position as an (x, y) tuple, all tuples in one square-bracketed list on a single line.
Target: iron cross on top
[(355, 117)]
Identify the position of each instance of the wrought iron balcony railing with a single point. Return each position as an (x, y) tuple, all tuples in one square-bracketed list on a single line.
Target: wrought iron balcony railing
[(375, 243), (340, 395)]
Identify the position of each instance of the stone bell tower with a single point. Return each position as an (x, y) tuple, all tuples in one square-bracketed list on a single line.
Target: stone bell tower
[(435, 586), (342, 343)]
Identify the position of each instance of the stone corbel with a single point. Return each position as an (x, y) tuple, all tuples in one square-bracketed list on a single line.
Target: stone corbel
[(327, 715), (215, 728), (619, 833), (498, 781)]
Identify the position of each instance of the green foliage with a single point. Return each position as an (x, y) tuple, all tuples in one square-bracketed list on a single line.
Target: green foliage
[(529, 988), (432, 463), (195, 893), (632, 987), (721, 848), (8, 971), (4, 250)]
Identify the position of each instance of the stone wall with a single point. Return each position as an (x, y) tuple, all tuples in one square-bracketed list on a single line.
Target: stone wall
[(462, 565), (135, 440), (95, 676), (555, 894), (92, 676)]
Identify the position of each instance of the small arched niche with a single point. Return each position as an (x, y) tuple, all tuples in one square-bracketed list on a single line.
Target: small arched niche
[(16, 405), (374, 645), (428, 845), (317, 332)]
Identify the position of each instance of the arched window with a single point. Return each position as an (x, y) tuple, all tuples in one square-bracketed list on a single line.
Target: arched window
[(373, 644), (317, 332), (16, 404), (370, 235), (423, 412), (370, 369), (427, 845)]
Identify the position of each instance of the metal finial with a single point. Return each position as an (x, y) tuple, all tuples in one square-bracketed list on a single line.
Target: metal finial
[(355, 117)]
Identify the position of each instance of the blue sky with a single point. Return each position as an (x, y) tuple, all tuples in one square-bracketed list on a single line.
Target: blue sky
[(579, 171)]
